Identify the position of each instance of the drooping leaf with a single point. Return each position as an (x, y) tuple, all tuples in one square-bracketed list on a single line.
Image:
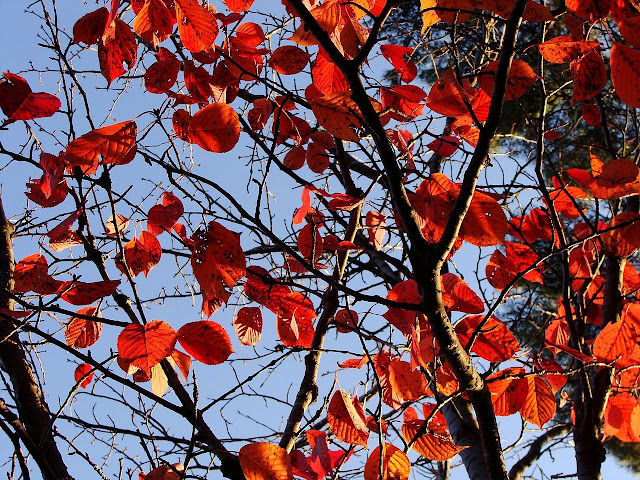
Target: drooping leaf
[(397, 55), (197, 26), (540, 403), (625, 73), (444, 146), (32, 274), (163, 217), (589, 76), (625, 239), (116, 46), (521, 77), (215, 128), (407, 384), (248, 325), (565, 48), (140, 254), (206, 341), (81, 374), (295, 314), (144, 346), (265, 461), (407, 292), (508, 391), (436, 444), (218, 261), (344, 420), (18, 102), (154, 22), (89, 28), (321, 462), (81, 332), (162, 75), (458, 296)]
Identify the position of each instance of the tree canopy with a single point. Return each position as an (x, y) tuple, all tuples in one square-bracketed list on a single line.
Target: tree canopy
[(248, 250)]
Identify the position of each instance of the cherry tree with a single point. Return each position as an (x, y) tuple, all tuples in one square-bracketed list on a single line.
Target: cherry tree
[(245, 249)]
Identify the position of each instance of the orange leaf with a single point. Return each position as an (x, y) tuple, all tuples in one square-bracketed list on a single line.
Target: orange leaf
[(115, 144), (540, 403), (116, 46), (344, 420), (217, 261), (327, 76), (163, 217), (248, 325), (495, 342), (395, 464), (238, 5), (458, 296), (154, 22), (265, 461), (216, 128), (622, 241), (183, 361), (163, 472), (328, 17), (337, 113), (82, 333), (80, 372), (197, 26), (507, 394), (618, 340), (288, 60), (82, 293), (144, 346), (565, 48), (521, 77), (409, 385), (141, 254), (206, 341), (625, 73), (295, 320), (436, 444), (618, 178)]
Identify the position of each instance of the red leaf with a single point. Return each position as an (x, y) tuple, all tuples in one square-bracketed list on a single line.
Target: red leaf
[(409, 385), (321, 462), (521, 77), (81, 293), (328, 17), (116, 46), (507, 394), (32, 274), (397, 55), (458, 296), (154, 22), (288, 60), (346, 320), (295, 320), (80, 372), (345, 421), (445, 146), (402, 102), (616, 341), (162, 75), (115, 144), (36, 194), (625, 73), (265, 461), (141, 254), (90, 27), (144, 346), (53, 167), (395, 464), (437, 443), (591, 114), (163, 217), (540, 403), (216, 128), (82, 333), (565, 48), (589, 76), (197, 26), (217, 261), (238, 5), (248, 325), (407, 292), (18, 102), (205, 341), (495, 342), (181, 121), (446, 97), (375, 222)]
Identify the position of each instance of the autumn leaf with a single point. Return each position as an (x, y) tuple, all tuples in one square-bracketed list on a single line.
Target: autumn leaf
[(521, 77), (198, 27), (265, 461), (395, 464), (18, 102), (589, 76), (114, 144), (321, 462), (247, 324), (288, 60), (508, 390), (565, 48), (625, 73), (295, 314), (32, 274), (81, 332), (206, 341), (163, 217), (218, 261), (540, 403), (458, 296), (328, 17), (116, 46), (83, 374), (154, 22), (215, 128), (436, 444), (495, 342), (81, 293), (164, 472), (344, 420), (140, 254), (410, 385), (89, 28), (398, 56), (144, 346)]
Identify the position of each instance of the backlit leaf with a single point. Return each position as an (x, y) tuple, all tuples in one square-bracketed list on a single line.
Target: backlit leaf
[(18, 102), (265, 461), (288, 60), (248, 325), (82, 293), (144, 346), (540, 403), (625, 73), (216, 128), (344, 420), (565, 48), (81, 332), (495, 341), (206, 341), (395, 464), (81, 374), (114, 144), (197, 26)]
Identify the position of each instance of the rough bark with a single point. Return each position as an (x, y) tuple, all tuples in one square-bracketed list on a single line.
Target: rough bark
[(33, 422)]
